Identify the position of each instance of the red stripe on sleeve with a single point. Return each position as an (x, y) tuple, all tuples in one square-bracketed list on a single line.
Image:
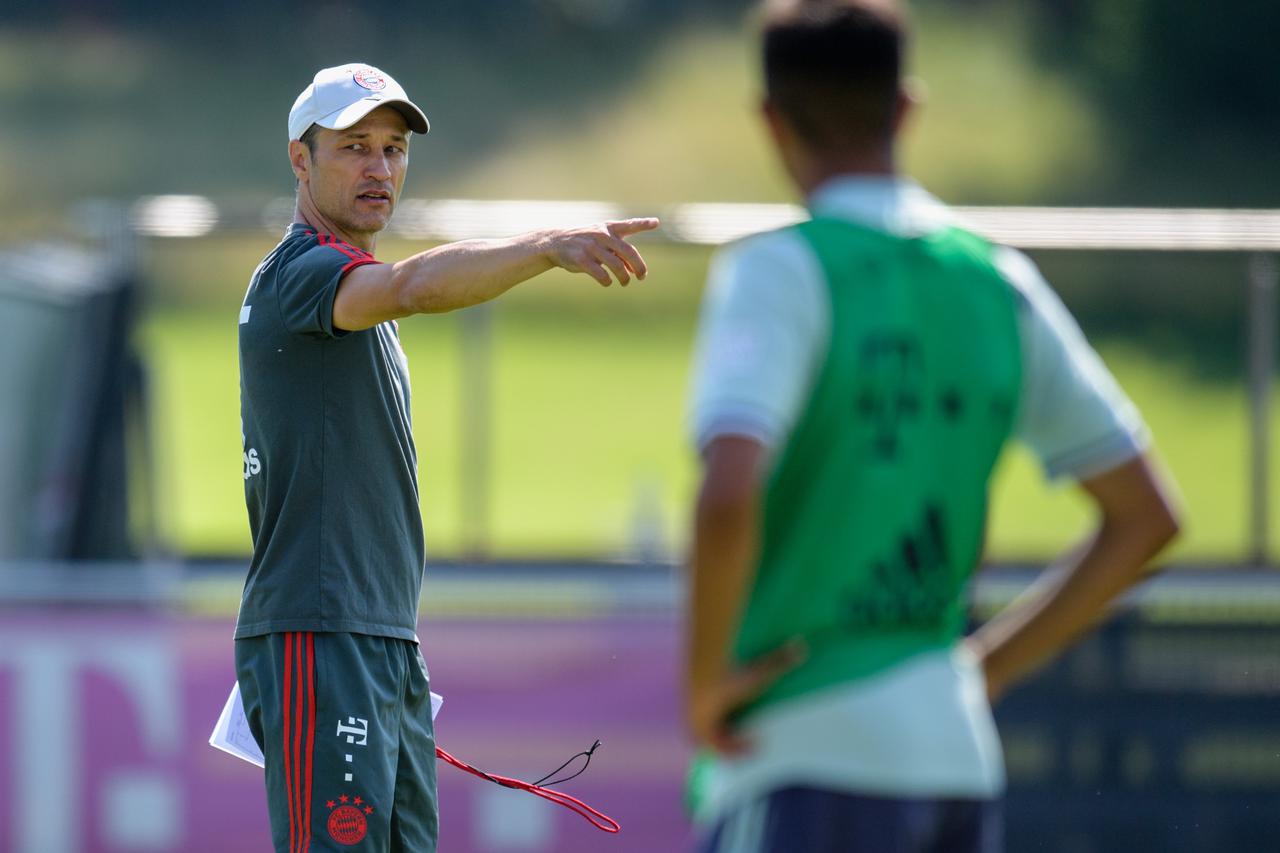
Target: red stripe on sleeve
[(356, 250), (358, 262), (330, 241), (288, 768), (353, 254)]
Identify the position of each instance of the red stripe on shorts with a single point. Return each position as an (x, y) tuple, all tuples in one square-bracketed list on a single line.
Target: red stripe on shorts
[(288, 769), (299, 653), (311, 735)]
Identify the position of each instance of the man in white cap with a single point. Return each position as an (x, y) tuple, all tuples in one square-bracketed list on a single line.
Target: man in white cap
[(335, 689)]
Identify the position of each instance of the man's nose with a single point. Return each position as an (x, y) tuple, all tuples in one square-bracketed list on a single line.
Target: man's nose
[(378, 168)]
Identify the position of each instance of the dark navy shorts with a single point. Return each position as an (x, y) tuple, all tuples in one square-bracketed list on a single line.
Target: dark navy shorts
[(811, 820), (344, 722)]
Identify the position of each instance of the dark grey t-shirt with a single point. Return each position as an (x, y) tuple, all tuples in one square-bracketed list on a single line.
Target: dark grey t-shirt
[(330, 467)]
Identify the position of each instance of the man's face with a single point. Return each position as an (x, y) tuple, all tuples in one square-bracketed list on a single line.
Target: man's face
[(355, 175)]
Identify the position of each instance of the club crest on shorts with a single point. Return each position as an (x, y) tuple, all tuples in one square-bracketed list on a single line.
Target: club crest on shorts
[(348, 819), (369, 79)]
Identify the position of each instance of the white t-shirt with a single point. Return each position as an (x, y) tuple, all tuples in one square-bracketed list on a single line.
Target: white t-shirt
[(922, 728)]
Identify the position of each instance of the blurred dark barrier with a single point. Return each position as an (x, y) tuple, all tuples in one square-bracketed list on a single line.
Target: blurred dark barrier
[(1161, 734), (75, 388)]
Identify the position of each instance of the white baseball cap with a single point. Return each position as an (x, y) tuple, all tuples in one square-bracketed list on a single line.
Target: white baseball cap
[(340, 96)]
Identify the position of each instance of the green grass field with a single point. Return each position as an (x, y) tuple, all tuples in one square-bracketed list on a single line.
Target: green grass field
[(588, 423)]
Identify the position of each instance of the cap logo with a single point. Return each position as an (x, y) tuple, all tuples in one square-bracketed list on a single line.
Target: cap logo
[(369, 79)]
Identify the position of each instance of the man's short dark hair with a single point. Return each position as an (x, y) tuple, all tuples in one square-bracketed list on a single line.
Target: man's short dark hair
[(308, 138), (833, 69)]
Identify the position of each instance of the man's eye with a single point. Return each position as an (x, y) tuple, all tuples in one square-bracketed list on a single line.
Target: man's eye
[(394, 150)]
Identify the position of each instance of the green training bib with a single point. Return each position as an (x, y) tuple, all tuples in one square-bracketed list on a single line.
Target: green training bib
[(875, 512)]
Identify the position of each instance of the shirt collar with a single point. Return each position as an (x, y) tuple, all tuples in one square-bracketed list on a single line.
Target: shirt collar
[(888, 203)]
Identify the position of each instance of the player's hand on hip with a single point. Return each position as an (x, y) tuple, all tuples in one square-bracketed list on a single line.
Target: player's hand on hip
[(711, 706), (601, 251)]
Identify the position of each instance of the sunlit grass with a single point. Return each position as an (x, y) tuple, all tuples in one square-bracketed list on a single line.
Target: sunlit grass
[(588, 441)]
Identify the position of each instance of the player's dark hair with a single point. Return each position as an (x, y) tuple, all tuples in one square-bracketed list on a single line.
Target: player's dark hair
[(833, 68), (308, 138)]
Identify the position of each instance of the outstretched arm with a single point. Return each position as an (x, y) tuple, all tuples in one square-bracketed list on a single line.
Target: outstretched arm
[(1136, 521), (457, 275)]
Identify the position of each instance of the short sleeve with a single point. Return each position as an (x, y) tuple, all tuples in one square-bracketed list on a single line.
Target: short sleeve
[(1074, 416), (307, 284), (764, 322)]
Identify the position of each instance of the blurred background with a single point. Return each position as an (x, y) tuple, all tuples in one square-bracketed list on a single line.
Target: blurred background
[(143, 175)]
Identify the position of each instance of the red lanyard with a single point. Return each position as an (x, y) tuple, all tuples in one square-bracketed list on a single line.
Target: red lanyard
[(597, 819)]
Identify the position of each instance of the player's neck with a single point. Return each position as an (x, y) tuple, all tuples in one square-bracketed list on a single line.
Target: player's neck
[(306, 213), (820, 170)]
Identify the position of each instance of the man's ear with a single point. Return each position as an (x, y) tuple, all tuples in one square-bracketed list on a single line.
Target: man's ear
[(783, 132), (300, 159), (911, 97), (773, 120)]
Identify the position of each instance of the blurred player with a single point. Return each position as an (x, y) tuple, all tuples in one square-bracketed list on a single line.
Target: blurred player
[(326, 651), (856, 378)]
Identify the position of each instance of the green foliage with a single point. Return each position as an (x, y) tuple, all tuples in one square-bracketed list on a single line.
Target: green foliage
[(1064, 101), (1191, 93), (992, 128)]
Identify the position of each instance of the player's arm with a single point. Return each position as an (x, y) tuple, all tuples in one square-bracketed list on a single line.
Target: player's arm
[(726, 534), (457, 275), (1136, 520), (1078, 421), (761, 328)]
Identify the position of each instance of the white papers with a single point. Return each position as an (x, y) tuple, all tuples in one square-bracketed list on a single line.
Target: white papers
[(231, 733)]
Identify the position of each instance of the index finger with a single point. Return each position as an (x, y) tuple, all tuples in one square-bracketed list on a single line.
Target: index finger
[(627, 227)]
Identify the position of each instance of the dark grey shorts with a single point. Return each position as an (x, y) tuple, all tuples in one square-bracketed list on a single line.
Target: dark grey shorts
[(344, 722), (811, 820)]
